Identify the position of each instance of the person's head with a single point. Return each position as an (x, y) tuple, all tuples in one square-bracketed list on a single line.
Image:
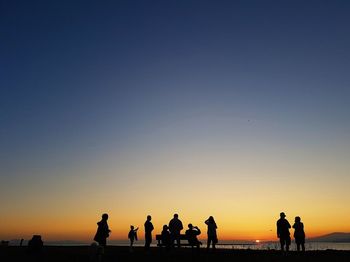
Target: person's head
[(211, 219), (149, 218), (176, 216), (105, 216), (132, 227), (165, 228), (297, 219), (190, 226), (282, 215)]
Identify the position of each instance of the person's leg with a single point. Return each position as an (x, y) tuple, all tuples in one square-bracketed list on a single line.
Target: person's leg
[(208, 242), (288, 240), (303, 245), (298, 246), (147, 242), (131, 244), (172, 240), (282, 244)]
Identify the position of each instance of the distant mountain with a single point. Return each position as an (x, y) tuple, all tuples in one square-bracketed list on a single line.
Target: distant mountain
[(339, 237)]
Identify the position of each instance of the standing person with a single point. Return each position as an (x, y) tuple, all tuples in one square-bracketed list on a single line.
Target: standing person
[(102, 231), (212, 236), (175, 227), (283, 234), (132, 236), (299, 234), (148, 232)]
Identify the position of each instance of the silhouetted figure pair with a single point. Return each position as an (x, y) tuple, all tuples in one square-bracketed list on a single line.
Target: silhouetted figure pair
[(132, 236), (212, 236), (102, 231), (283, 234), (148, 232), (175, 227), (299, 234)]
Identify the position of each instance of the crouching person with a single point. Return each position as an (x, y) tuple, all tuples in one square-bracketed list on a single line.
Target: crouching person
[(191, 235)]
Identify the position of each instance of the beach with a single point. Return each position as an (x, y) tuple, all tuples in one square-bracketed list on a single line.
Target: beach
[(118, 253)]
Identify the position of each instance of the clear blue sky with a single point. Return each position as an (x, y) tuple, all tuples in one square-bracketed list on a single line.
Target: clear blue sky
[(82, 81)]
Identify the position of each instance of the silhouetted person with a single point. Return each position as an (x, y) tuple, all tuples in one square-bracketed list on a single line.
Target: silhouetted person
[(148, 232), (299, 233), (175, 227), (283, 234), (132, 236), (21, 243), (166, 239), (35, 245), (102, 231), (191, 235), (212, 236)]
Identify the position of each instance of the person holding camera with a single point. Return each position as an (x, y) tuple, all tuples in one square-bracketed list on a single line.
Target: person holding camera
[(191, 234), (212, 236)]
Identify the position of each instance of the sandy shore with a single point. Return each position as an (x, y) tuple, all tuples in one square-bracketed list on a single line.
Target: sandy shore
[(114, 253)]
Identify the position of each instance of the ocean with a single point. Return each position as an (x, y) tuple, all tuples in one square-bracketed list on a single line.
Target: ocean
[(258, 246)]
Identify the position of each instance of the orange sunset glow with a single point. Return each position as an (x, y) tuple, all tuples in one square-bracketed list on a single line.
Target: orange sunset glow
[(228, 109)]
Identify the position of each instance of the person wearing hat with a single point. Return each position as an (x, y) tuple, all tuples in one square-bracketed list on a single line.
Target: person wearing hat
[(283, 234)]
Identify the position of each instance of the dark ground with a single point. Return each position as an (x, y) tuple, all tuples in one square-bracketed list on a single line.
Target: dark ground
[(113, 253)]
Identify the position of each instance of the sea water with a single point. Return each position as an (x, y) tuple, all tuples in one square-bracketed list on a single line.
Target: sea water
[(256, 246), (223, 244)]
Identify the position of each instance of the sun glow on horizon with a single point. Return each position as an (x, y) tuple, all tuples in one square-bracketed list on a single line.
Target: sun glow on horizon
[(228, 109)]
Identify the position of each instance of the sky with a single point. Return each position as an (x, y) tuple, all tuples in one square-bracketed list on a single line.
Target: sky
[(235, 109)]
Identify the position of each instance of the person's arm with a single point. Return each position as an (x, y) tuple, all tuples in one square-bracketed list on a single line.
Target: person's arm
[(107, 228), (278, 231), (206, 222)]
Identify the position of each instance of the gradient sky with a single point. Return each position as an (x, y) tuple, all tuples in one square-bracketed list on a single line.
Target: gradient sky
[(236, 109)]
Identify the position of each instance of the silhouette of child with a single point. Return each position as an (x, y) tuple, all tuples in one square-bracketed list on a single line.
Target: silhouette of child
[(132, 236), (299, 233), (166, 238)]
